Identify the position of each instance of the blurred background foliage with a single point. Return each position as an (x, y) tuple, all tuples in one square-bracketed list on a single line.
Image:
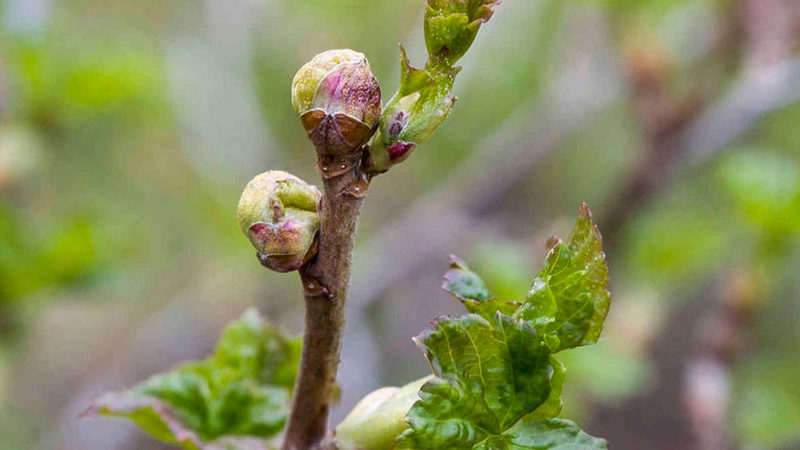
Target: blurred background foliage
[(128, 129)]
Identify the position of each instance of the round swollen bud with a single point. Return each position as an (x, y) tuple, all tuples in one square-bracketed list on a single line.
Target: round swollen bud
[(338, 100), (378, 418), (278, 214)]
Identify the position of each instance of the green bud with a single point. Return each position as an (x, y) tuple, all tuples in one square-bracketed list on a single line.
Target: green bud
[(338, 100), (378, 418), (425, 99), (412, 116), (451, 27), (307, 79), (278, 214)]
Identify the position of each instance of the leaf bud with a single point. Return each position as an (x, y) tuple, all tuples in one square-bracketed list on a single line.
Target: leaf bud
[(278, 214), (338, 100), (420, 106), (378, 418)]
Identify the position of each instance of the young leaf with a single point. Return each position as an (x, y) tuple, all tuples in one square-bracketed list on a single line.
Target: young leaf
[(238, 395), (489, 375), (555, 434), (497, 384), (451, 27), (471, 291), (569, 298), (552, 406), (424, 99)]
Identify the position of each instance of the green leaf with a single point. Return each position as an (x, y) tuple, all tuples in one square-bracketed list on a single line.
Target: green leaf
[(555, 434), (151, 414), (451, 27), (424, 98), (463, 283), (489, 375), (471, 291), (552, 406), (569, 298), (765, 188), (497, 383), (237, 396)]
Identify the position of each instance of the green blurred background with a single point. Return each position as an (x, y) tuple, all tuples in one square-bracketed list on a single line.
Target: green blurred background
[(129, 127)]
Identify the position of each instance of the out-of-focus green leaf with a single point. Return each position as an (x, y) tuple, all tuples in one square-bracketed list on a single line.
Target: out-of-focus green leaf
[(241, 391), (607, 373), (470, 290), (766, 408), (488, 377), (569, 297), (695, 237), (651, 7), (765, 186)]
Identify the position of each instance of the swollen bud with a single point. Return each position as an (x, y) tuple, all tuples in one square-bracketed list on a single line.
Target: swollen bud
[(278, 214), (338, 100), (378, 418)]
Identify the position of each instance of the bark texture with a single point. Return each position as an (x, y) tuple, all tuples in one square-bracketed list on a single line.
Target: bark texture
[(325, 284)]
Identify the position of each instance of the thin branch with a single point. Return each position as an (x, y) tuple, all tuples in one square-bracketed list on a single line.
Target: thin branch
[(768, 82), (325, 283), (754, 95)]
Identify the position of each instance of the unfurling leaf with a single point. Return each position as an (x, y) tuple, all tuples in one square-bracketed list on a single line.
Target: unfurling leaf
[(551, 434), (425, 99), (488, 376), (570, 297), (497, 384), (552, 406), (469, 288), (235, 399), (451, 27)]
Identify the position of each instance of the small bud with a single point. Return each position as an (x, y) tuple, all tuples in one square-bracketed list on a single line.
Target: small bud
[(278, 214), (339, 103), (378, 418), (412, 115), (451, 27)]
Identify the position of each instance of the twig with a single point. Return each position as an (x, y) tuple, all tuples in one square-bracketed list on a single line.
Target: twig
[(755, 95), (325, 282), (767, 83)]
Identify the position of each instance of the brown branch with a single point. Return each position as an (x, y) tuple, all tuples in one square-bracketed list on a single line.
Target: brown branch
[(325, 283), (679, 137), (701, 377)]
